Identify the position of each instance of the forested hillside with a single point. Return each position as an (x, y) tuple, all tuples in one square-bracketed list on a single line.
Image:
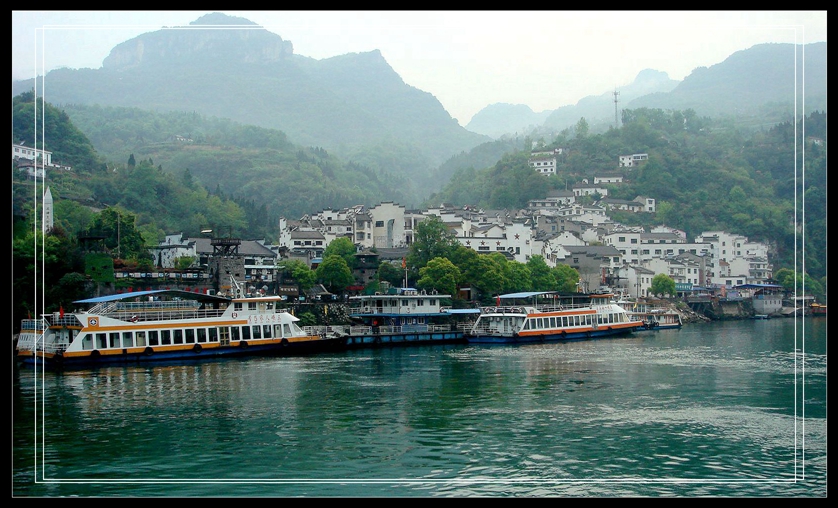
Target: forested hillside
[(705, 174), (353, 104)]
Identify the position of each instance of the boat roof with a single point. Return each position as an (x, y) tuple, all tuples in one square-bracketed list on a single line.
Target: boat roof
[(186, 295), (527, 294)]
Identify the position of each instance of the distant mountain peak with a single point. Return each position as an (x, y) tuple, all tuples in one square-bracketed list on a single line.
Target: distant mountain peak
[(218, 18), (647, 75), (186, 44)]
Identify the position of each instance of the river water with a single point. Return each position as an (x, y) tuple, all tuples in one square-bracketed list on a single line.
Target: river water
[(721, 409)]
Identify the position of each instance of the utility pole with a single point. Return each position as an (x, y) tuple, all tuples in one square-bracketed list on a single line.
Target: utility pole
[(616, 116)]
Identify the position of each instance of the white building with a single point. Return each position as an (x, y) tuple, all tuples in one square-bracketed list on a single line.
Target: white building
[(634, 160)]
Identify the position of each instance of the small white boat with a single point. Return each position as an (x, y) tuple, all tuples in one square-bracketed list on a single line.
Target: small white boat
[(163, 325), (551, 319)]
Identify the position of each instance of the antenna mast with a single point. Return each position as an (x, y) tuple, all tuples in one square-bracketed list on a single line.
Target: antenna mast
[(616, 117)]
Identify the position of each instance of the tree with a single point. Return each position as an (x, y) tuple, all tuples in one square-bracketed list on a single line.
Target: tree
[(344, 248), (390, 273), (566, 278), (662, 285), (334, 274), (542, 278), (302, 274), (431, 239), (184, 262), (439, 274)]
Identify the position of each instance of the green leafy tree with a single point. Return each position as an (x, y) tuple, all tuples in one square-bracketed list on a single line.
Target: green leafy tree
[(334, 274), (541, 275), (299, 271), (184, 262), (431, 239), (518, 277), (391, 273), (662, 285), (344, 248), (566, 278), (121, 237), (439, 274)]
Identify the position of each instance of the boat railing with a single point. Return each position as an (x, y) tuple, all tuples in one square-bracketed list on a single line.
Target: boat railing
[(465, 326), (163, 314), (144, 306), (485, 329), (38, 325)]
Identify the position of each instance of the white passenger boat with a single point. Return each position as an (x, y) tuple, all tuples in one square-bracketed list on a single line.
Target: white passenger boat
[(550, 317), (163, 325), (402, 316)]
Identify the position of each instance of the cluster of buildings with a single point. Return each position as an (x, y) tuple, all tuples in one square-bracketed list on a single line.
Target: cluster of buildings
[(605, 253), (558, 228)]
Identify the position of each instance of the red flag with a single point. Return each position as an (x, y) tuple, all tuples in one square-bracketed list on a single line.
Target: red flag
[(498, 300), (404, 263), (61, 312)]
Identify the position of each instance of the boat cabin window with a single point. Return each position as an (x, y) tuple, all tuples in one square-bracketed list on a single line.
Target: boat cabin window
[(101, 340), (257, 332), (165, 337), (140, 339), (190, 336), (236, 333), (114, 340), (127, 339), (251, 305), (201, 334), (213, 335), (269, 305), (245, 333), (152, 338), (286, 330), (552, 322), (266, 331), (178, 337), (87, 342), (237, 306)]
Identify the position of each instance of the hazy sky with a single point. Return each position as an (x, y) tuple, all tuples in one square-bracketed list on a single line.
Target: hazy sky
[(466, 59)]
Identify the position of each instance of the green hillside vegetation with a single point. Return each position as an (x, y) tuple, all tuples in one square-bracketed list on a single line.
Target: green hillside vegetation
[(705, 174)]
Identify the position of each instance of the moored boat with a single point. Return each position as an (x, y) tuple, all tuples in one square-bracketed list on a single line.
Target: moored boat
[(652, 316), (658, 319), (403, 316), (163, 325), (551, 319), (818, 309)]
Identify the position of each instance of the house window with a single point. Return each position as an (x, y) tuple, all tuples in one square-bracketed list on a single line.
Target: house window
[(634, 240), (379, 223)]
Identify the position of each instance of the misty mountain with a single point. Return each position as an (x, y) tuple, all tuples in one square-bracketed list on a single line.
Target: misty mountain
[(758, 82), (499, 119), (347, 104), (502, 118), (755, 85)]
